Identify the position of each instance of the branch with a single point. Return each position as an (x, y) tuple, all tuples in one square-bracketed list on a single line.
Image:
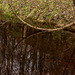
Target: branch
[(38, 28), (25, 38), (1, 24), (49, 30)]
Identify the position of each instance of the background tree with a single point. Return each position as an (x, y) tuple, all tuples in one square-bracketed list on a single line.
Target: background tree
[(74, 2)]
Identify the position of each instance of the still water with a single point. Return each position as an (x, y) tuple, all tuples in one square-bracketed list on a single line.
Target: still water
[(40, 54)]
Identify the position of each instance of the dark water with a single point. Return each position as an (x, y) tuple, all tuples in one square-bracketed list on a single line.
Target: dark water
[(40, 54)]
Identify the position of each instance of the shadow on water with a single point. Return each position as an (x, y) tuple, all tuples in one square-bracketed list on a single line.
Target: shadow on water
[(41, 54)]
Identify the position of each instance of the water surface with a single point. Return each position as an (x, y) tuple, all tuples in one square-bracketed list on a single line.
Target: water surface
[(40, 54)]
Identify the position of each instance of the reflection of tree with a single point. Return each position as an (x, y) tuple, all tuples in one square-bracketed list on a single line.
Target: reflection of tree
[(49, 53), (5, 50), (42, 54), (22, 55)]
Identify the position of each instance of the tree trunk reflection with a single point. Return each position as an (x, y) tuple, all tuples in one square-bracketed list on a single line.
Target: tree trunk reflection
[(42, 54)]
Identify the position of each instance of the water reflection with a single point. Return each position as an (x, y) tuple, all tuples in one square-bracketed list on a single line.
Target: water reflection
[(41, 54)]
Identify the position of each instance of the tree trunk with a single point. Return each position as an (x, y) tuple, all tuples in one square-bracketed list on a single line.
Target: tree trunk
[(74, 2), (24, 29)]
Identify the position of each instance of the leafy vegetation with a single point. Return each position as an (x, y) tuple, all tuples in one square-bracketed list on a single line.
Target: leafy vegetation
[(49, 11)]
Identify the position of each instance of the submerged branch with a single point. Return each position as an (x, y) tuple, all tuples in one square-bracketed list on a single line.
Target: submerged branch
[(24, 38)]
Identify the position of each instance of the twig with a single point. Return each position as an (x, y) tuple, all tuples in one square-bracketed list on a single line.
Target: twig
[(3, 23)]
